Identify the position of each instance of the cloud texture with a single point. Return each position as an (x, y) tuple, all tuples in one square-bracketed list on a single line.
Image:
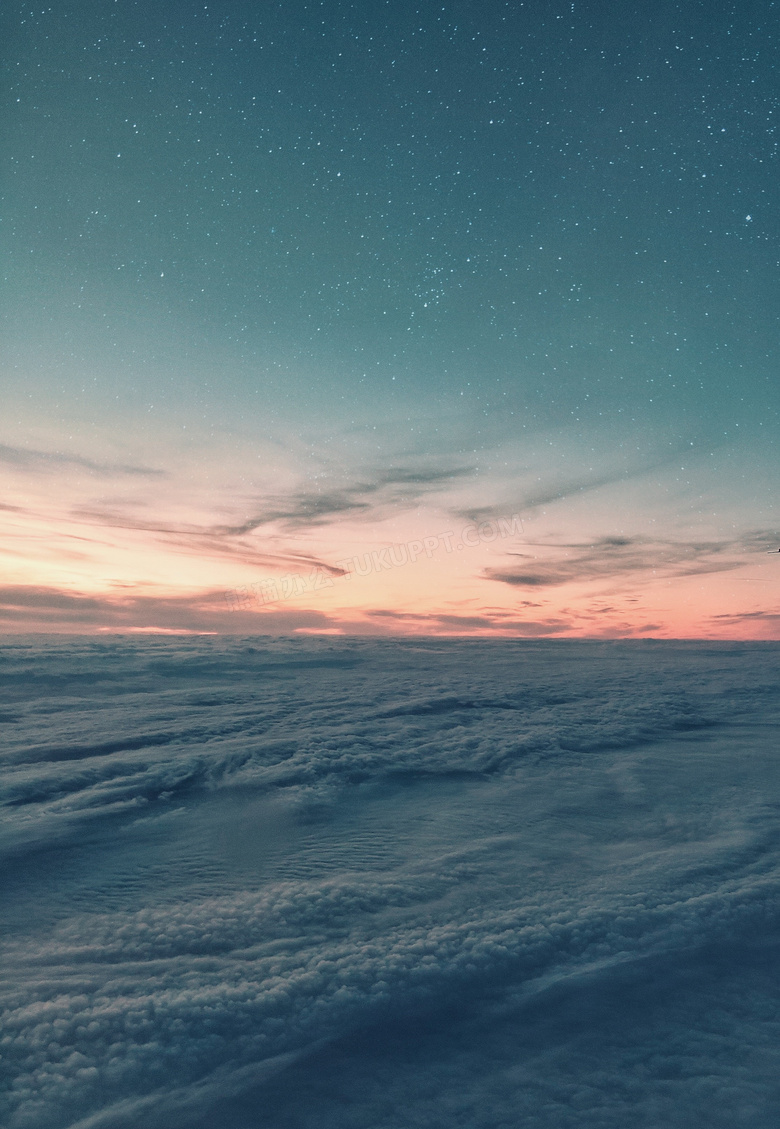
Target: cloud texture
[(609, 558), (361, 883)]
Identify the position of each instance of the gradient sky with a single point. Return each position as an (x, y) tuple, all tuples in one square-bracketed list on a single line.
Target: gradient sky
[(289, 284)]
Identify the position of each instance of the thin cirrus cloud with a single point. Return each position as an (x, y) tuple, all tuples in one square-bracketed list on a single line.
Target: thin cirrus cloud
[(612, 557), (552, 487), (37, 461), (395, 488), (736, 619), (557, 489), (532, 499), (398, 488), (216, 542)]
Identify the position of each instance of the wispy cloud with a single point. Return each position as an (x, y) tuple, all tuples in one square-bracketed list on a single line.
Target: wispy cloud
[(29, 459), (372, 497), (531, 498), (208, 541), (609, 557), (394, 488), (769, 618), (528, 496)]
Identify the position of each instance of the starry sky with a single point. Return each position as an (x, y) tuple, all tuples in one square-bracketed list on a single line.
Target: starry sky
[(446, 318)]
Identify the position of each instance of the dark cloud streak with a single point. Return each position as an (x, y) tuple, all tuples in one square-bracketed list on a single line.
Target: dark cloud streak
[(613, 557), (397, 487)]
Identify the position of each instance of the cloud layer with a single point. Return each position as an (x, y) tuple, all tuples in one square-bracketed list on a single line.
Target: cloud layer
[(360, 883)]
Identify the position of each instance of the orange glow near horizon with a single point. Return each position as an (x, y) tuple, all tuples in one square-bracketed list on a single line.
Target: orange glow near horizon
[(144, 553)]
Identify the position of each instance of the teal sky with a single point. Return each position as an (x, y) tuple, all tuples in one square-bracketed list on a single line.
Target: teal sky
[(529, 248)]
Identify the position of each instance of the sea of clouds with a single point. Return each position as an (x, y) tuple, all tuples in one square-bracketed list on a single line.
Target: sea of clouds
[(366, 884)]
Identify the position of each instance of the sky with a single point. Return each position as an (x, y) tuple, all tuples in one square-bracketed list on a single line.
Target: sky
[(390, 318)]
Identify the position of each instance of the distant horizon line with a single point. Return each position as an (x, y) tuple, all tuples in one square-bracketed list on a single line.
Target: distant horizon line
[(165, 633)]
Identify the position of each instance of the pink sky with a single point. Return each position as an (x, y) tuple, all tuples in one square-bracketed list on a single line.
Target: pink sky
[(183, 543)]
